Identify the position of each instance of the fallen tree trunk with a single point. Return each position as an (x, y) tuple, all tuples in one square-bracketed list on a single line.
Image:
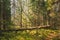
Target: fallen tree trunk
[(22, 29)]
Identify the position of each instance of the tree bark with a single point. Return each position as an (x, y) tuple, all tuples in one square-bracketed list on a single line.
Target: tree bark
[(5, 17)]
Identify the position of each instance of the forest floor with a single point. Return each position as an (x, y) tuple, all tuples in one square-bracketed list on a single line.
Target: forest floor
[(40, 34)]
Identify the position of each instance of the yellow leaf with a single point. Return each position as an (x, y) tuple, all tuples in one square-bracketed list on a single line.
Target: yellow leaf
[(52, 15), (48, 8), (22, 38), (33, 32)]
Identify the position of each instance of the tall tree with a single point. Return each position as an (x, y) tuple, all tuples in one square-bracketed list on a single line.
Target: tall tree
[(5, 13)]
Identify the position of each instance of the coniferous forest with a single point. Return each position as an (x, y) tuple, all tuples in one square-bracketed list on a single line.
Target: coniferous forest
[(29, 19)]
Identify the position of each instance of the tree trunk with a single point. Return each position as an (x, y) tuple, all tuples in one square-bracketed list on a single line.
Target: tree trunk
[(5, 13)]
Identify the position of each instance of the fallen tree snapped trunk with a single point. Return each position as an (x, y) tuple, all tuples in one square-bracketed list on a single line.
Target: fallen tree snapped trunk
[(29, 28)]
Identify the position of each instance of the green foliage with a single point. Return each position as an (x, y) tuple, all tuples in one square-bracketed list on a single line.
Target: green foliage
[(36, 12), (30, 35)]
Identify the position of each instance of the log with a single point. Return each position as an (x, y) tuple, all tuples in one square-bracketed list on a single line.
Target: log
[(29, 28)]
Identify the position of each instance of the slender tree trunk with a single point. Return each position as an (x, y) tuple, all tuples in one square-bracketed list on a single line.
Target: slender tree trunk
[(1, 13), (5, 13)]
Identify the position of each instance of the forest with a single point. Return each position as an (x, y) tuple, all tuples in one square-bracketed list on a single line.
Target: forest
[(29, 19)]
